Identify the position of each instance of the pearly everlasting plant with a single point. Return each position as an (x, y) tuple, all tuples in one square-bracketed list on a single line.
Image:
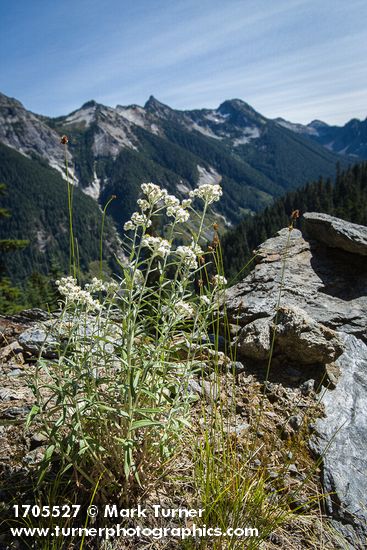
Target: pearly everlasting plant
[(187, 256), (207, 192), (68, 287), (180, 214), (120, 381), (153, 193), (219, 280), (157, 245)]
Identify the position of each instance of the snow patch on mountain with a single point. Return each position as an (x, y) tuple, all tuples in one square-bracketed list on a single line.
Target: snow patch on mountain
[(208, 176), (297, 128), (205, 130), (217, 117), (248, 134), (183, 188), (94, 188)]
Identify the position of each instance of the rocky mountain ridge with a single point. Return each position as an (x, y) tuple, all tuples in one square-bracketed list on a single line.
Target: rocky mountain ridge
[(349, 140), (253, 156)]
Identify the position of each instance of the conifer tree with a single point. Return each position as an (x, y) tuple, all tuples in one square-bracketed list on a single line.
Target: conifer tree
[(10, 296)]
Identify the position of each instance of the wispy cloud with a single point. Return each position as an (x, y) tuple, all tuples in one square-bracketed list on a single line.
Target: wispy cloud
[(300, 59)]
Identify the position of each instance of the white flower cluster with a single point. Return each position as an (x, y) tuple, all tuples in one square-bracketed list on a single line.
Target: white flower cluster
[(153, 192), (129, 226), (180, 214), (138, 278), (188, 255), (183, 309), (177, 210), (69, 288), (219, 280), (143, 204), (207, 192), (171, 200), (96, 285), (160, 247), (205, 300), (196, 248), (136, 221)]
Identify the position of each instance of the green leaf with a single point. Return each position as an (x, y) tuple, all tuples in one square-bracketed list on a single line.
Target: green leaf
[(149, 411), (32, 413), (144, 424), (49, 452)]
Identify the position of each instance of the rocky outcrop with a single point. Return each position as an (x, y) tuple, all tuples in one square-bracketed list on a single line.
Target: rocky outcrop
[(336, 233), (329, 284), (298, 337), (311, 288), (29, 134), (341, 441)]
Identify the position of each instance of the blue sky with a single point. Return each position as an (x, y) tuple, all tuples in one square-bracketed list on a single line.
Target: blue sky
[(299, 59)]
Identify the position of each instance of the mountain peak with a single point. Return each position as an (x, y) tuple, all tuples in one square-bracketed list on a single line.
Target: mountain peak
[(317, 124), (88, 104), (155, 106), (235, 105), (240, 112), (9, 101)]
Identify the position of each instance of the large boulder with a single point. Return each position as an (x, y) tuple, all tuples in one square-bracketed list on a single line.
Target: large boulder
[(329, 284), (302, 339), (298, 337), (336, 233)]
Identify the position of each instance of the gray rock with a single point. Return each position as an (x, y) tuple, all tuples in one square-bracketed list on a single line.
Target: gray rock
[(37, 440), (341, 440), (328, 284), (16, 372), (304, 340), (15, 412), (34, 314), (36, 340), (292, 468), (254, 340), (295, 422), (204, 388), (35, 456), (298, 338), (238, 429), (326, 277), (236, 367), (336, 233), (307, 387)]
